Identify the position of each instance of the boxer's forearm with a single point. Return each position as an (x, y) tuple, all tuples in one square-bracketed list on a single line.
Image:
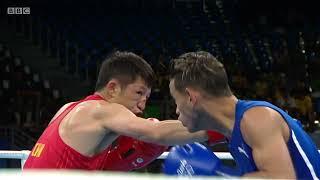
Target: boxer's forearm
[(172, 132), (180, 138)]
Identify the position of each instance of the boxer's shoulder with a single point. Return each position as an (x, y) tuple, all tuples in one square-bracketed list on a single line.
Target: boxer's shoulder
[(95, 109), (257, 111), (259, 123), (80, 115), (102, 110), (264, 115), (267, 117), (62, 109)]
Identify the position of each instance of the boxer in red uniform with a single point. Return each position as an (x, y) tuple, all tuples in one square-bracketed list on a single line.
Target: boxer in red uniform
[(81, 134)]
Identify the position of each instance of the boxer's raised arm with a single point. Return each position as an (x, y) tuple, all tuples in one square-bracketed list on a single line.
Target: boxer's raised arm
[(119, 119)]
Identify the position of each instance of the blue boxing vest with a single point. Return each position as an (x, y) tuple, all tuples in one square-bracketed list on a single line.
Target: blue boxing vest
[(304, 153)]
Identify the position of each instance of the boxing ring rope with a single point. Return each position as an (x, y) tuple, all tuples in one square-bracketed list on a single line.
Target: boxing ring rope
[(23, 155)]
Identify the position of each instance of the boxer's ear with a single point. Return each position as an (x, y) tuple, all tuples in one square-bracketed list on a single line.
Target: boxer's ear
[(113, 87), (192, 95)]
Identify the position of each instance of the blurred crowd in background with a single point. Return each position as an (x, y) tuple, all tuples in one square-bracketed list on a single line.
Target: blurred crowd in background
[(277, 62)]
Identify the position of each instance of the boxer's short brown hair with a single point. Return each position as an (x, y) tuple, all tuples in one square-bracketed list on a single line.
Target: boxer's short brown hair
[(202, 71)]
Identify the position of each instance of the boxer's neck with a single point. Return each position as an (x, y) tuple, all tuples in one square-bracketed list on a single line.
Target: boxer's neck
[(222, 110), (104, 95)]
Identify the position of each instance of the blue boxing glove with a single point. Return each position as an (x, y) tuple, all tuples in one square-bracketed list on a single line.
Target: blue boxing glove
[(195, 159)]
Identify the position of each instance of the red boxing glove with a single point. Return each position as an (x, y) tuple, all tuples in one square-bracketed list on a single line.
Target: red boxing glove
[(128, 154), (215, 138)]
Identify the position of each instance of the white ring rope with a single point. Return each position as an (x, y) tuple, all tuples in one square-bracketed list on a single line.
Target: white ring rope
[(221, 155), (23, 155), (14, 154)]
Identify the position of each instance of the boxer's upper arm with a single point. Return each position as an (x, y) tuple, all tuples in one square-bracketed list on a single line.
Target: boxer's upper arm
[(262, 132), (122, 121), (119, 119)]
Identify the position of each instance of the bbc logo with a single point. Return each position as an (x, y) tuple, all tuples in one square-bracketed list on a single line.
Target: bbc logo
[(18, 10)]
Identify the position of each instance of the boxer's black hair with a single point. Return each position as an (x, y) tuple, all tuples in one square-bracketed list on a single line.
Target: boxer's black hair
[(202, 71), (125, 67)]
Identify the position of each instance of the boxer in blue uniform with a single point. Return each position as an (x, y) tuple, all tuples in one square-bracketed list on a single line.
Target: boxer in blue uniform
[(264, 140)]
